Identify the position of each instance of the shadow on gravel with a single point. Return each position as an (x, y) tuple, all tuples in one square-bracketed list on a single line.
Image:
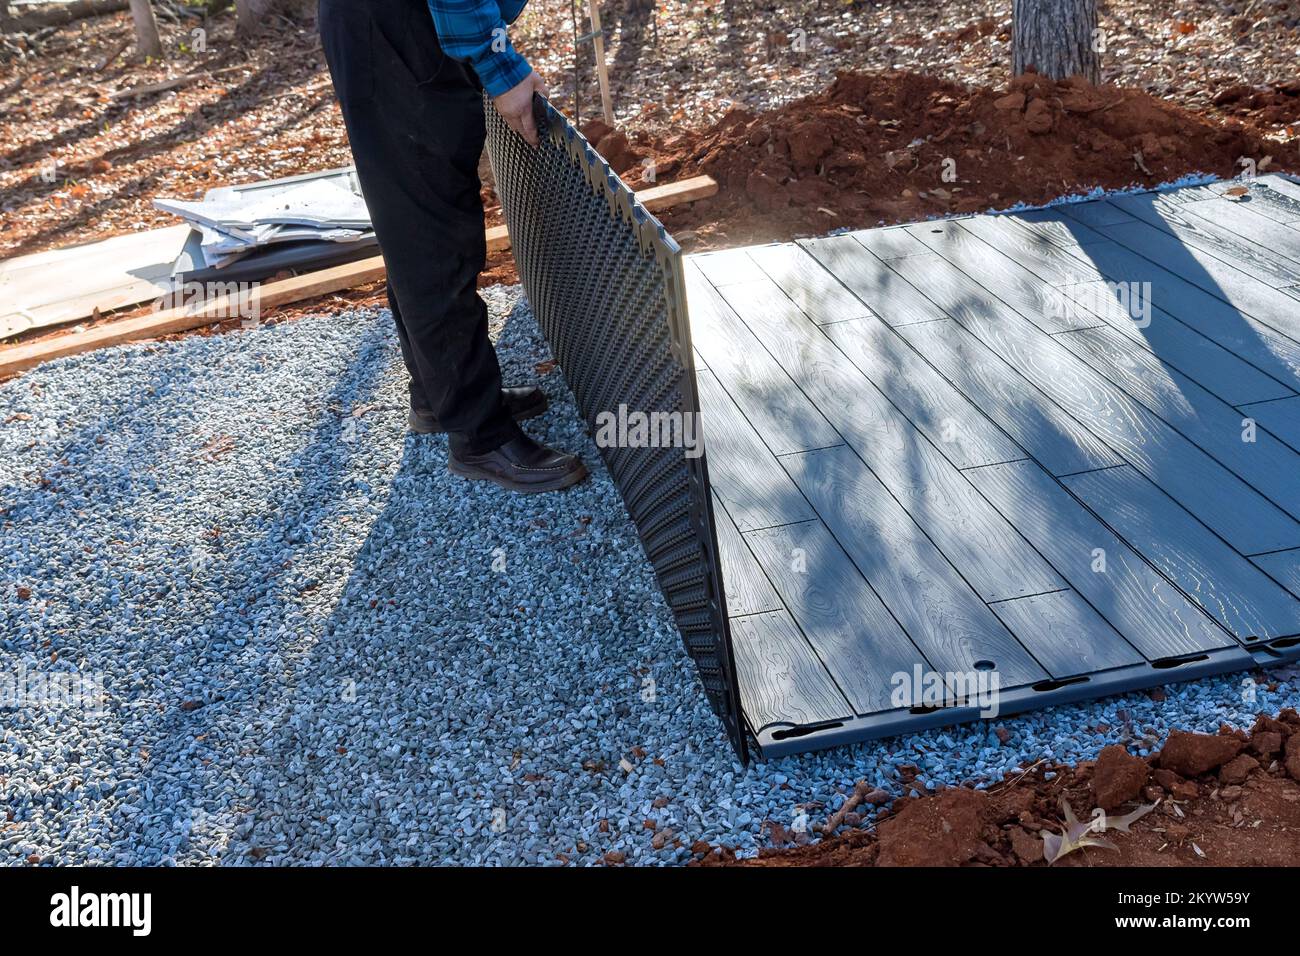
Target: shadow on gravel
[(487, 656)]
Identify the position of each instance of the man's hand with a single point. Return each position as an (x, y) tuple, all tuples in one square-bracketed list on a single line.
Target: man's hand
[(516, 106)]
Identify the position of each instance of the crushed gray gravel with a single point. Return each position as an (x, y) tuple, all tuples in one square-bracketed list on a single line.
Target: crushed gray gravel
[(317, 647)]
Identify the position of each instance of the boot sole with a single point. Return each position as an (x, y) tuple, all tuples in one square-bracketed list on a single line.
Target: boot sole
[(566, 480), (525, 413)]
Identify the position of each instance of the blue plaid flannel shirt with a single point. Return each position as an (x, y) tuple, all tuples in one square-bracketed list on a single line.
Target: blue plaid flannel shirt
[(475, 31)]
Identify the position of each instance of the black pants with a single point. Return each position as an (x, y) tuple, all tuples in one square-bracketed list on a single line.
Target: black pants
[(415, 123)]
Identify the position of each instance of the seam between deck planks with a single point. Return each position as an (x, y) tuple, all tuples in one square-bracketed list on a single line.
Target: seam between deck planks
[(881, 434), (1224, 584), (1197, 320), (784, 419), (1222, 323), (1005, 331), (935, 607), (1244, 292), (1267, 467)]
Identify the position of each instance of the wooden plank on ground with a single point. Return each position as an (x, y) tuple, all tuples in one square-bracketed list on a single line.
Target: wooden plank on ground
[(1281, 417), (781, 679), (752, 485), (940, 613), (1240, 514), (1055, 439), (956, 426), (20, 357), (1223, 583), (815, 291), (52, 288), (747, 587), (781, 414), (1149, 611), (1067, 636), (146, 258), (1266, 464), (870, 280), (848, 627), (975, 538), (667, 195)]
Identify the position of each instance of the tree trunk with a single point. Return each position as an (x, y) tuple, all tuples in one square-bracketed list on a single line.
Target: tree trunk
[(147, 40), (1057, 38), (250, 15)]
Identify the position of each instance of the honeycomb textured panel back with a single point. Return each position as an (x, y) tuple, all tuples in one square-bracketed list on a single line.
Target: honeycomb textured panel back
[(604, 279)]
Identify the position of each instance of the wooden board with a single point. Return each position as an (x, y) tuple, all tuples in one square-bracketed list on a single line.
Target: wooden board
[(52, 288), (127, 270), (18, 358)]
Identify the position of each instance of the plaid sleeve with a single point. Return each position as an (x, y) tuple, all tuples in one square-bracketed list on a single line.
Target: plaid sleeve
[(475, 31)]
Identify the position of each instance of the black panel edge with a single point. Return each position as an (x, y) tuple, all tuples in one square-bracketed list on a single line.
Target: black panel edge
[(557, 133), (779, 741)]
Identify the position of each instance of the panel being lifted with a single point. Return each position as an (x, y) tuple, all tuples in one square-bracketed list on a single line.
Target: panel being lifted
[(954, 468)]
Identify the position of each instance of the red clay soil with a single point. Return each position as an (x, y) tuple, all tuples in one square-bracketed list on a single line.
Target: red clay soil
[(1231, 799), (874, 148)]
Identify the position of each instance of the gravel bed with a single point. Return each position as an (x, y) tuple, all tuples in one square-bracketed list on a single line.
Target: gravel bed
[(317, 647)]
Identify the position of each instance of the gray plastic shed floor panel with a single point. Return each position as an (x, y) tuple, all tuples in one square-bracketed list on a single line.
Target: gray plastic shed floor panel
[(1052, 453)]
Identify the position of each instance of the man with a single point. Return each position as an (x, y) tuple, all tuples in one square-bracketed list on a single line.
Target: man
[(409, 76)]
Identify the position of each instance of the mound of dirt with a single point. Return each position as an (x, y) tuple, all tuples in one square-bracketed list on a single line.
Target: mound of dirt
[(894, 147), (1229, 811)]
